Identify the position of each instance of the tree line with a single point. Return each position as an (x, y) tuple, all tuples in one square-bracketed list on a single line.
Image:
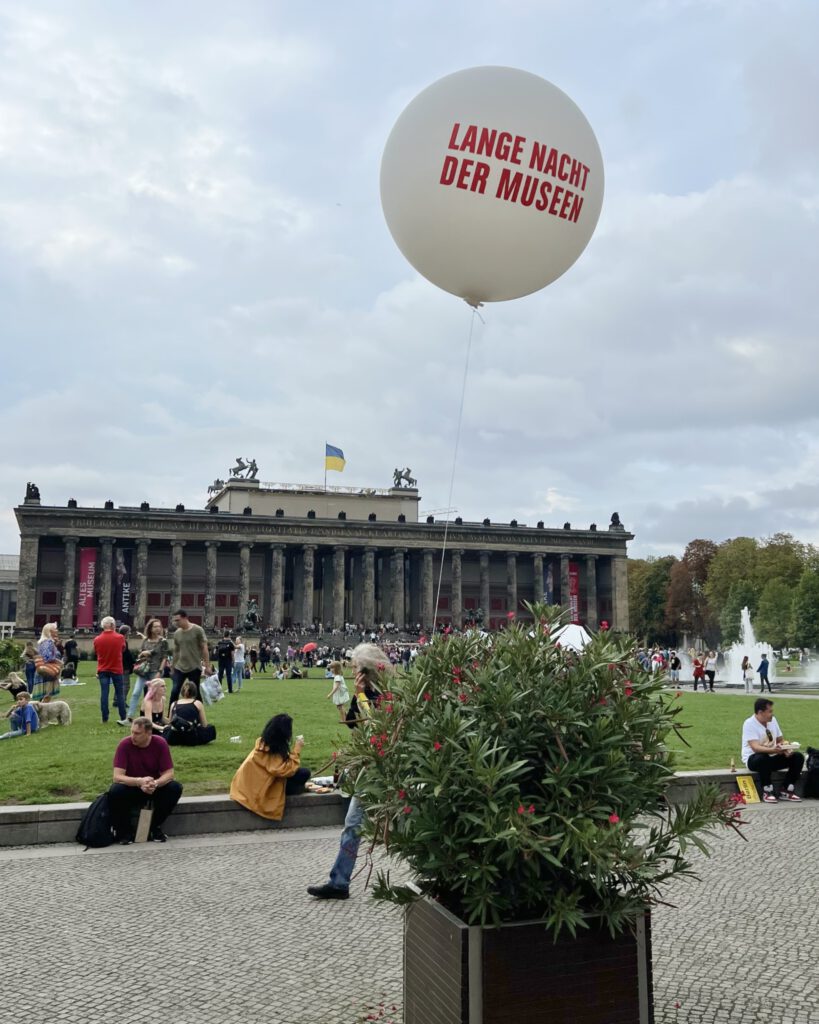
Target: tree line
[(700, 596)]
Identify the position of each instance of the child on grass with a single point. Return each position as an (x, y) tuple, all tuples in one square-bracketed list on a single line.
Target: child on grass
[(339, 694)]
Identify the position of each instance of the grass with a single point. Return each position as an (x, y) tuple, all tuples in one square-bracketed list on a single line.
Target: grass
[(61, 764), (715, 731)]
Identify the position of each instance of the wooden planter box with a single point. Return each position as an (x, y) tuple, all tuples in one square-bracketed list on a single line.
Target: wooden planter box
[(517, 974)]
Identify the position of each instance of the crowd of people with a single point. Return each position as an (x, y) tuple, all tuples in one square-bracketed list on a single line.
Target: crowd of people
[(706, 667)]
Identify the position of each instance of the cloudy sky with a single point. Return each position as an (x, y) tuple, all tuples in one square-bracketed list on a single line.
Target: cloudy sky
[(194, 264)]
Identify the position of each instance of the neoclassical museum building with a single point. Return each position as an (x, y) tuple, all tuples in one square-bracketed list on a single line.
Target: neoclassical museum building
[(306, 556)]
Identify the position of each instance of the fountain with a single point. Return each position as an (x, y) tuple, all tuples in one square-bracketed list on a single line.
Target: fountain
[(749, 645)]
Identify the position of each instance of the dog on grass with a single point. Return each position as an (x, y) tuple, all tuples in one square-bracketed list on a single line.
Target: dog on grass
[(53, 712)]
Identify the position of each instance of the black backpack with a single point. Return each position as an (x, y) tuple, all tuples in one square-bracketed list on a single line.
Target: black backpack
[(182, 732), (96, 828), (811, 790)]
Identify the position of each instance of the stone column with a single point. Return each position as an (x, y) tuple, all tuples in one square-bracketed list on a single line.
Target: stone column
[(399, 616), (211, 554), (27, 581), (141, 603), (177, 558), (564, 582), (592, 618), (244, 583), (339, 560), (427, 596), (277, 587), (69, 583), (537, 575), (105, 574), (512, 582), (368, 597), (619, 592), (308, 571), (456, 600), (485, 586)]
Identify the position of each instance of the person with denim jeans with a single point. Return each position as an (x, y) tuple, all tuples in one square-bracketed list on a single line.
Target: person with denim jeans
[(109, 646)]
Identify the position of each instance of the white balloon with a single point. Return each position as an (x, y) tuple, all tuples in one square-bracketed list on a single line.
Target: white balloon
[(492, 183)]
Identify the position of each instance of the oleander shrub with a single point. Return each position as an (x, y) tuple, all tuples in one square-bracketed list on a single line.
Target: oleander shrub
[(519, 780)]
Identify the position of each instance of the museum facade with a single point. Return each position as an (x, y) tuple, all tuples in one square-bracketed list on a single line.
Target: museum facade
[(306, 556)]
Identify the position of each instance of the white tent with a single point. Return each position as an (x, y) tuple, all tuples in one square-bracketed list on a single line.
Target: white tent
[(573, 636)]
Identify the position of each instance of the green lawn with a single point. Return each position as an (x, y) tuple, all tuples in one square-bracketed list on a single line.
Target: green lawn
[(59, 764), (63, 764), (715, 722)]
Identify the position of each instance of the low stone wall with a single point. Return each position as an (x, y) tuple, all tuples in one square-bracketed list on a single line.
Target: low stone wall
[(26, 825)]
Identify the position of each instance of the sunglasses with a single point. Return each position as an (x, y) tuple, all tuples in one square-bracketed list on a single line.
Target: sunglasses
[(768, 734)]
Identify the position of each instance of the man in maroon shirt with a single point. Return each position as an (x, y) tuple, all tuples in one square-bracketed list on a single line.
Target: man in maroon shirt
[(143, 771), (109, 646)]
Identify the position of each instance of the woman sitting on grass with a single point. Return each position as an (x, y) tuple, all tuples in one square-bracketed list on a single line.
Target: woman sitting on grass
[(153, 706), (189, 709), (271, 770)]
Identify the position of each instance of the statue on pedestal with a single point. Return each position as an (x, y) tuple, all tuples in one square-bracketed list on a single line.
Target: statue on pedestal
[(405, 475), (32, 492), (251, 623)]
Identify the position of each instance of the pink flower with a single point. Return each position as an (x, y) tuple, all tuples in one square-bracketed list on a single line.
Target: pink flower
[(521, 809), (456, 670), (476, 664), (436, 745), (614, 818), (510, 615), (602, 701), (531, 808), (387, 696), (380, 666), (402, 794), (373, 740), (462, 697), (427, 696), (407, 809), (628, 691)]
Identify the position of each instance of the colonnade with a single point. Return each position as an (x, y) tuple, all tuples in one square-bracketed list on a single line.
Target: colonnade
[(361, 583)]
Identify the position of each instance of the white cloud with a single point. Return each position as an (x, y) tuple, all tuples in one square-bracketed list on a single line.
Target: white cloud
[(193, 262)]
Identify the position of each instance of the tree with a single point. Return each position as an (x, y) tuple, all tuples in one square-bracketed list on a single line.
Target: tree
[(780, 558), (805, 610), (687, 609), (734, 562), (773, 616), (742, 595), (648, 581)]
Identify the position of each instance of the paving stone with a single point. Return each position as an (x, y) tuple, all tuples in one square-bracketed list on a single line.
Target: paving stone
[(226, 923)]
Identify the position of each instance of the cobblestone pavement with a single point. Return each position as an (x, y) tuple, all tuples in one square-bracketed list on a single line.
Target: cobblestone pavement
[(219, 930)]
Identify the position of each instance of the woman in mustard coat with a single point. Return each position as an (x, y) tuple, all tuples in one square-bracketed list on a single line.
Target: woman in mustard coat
[(270, 770)]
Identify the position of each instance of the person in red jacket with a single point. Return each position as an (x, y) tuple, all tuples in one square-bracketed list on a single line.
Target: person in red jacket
[(109, 646)]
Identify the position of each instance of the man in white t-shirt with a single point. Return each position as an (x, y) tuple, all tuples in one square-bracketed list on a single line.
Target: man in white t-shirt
[(765, 750)]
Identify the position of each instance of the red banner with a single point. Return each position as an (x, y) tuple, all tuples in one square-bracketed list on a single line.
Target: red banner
[(85, 588), (574, 591)]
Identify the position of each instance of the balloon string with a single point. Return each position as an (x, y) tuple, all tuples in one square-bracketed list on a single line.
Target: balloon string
[(475, 313)]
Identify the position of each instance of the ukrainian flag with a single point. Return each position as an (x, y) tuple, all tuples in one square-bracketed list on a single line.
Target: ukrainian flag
[(333, 458)]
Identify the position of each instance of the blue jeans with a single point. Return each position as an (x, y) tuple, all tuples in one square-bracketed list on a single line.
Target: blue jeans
[(31, 675), (136, 697), (106, 678), (342, 871), (238, 674)]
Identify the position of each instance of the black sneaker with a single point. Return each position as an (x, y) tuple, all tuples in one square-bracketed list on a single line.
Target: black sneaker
[(328, 892), (156, 835), (125, 840)]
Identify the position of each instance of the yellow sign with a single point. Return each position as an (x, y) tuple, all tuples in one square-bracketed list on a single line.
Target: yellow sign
[(747, 787)]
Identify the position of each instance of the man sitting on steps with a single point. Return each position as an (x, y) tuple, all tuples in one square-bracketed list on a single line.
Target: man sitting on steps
[(762, 752)]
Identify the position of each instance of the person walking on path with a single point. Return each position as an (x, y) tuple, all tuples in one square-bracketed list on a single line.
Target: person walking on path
[(109, 646), (763, 674), (190, 653), (224, 659), (710, 667)]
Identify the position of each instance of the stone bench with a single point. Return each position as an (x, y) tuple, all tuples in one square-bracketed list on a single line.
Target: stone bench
[(684, 786), (31, 824)]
